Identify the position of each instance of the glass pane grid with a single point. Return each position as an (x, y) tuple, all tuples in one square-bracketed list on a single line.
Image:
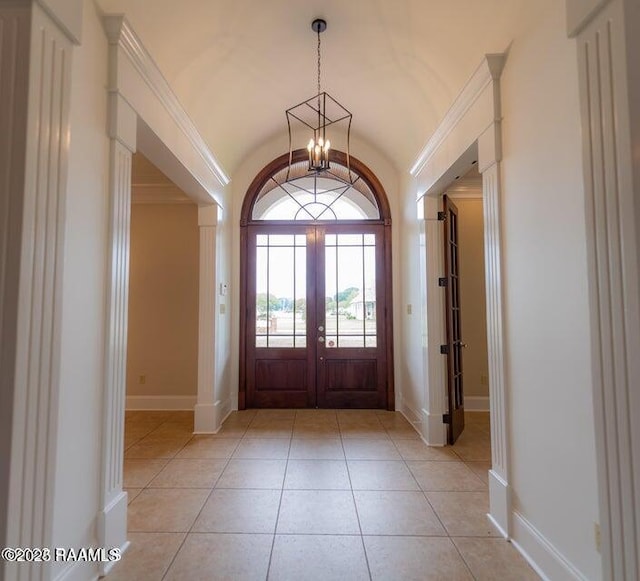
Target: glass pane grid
[(280, 291)]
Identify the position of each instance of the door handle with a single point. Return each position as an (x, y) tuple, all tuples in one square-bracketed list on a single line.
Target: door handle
[(320, 339)]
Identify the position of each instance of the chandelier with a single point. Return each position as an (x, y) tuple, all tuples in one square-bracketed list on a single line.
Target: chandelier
[(318, 114)]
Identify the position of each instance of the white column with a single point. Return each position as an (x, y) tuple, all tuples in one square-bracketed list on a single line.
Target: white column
[(206, 413), (608, 49), (35, 86), (112, 519), (499, 488), (434, 430)]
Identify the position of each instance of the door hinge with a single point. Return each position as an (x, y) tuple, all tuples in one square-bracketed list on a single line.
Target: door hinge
[(444, 349), (442, 281), (442, 216), (446, 418)]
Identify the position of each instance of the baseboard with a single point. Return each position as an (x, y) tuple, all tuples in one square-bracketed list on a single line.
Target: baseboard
[(500, 503), (435, 430), (545, 559), (209, 417), (79, 571), (160, 402), (112, 528), (476, 403)]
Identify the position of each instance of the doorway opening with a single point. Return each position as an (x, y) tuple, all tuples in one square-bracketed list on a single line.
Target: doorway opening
[(316, 310), (466, 319)]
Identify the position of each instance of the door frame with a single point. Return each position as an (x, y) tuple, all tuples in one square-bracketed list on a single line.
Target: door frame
[(359, 168), (470, 132)]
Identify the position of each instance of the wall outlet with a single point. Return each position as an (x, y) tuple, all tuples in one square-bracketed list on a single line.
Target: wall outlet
[(484, 380), (596, 536), (223, 309), (142, 379), (409, 309)]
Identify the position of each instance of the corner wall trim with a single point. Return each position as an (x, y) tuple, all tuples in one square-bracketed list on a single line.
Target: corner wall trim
[(160, 402), (540, 553)]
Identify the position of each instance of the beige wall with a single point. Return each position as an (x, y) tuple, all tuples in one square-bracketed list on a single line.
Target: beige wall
[(163, 300), (473, 296)]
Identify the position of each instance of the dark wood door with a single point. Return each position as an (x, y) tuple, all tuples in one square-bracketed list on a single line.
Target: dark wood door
[(315, 330), (455, 344)]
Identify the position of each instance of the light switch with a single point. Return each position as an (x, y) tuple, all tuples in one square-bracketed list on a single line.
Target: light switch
[(223, 289), (409, 309)]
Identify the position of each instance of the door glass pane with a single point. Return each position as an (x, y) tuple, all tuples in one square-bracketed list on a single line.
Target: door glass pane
[(280, 291), (350, 297)]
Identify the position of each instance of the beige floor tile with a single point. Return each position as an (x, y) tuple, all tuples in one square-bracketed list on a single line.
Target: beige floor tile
[(146, 416), (275, 415), (239, 511), (138, 431), (380, 475), (322, 512), (230, 430), (209, 447), (148, 557), (222, 557), (357, 449), (318, 558), (317, 475), (481, 470), (132, 493), (268, 474), (184, 417), (316, 431), (365, 432), (418, 450), (270, 429), (188, 473), (491, 559), (139, 472), (166, 510), (169, 430), (396, 513), (415, 559), (154, 449), (263, 448), (357, 416), (393, 420), (447, 476), (402, 433), (463, 513), (316, 449), (328, 416)]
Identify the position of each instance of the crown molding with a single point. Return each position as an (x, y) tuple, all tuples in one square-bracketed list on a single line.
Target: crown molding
[(120, 33), (489, 71)]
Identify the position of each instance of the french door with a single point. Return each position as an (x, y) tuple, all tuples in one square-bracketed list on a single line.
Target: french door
[(316, 316)]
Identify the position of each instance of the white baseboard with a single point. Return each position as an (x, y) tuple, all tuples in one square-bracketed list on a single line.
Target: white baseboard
[(112, 527), (431, 428), (79, 571), (500, 503), (476, 403), (160, 402), (545, 559), (209, 417)]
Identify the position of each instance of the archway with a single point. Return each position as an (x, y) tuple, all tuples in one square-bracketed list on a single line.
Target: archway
[(315, 314)]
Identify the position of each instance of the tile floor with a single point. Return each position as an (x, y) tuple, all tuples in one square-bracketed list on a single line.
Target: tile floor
[(308, 495)]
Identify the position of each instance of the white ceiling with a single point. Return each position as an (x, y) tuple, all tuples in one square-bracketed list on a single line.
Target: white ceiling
[(397, 65)]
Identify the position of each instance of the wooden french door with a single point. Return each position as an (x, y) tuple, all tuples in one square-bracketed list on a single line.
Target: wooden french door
[(316, 316), (455, 345)]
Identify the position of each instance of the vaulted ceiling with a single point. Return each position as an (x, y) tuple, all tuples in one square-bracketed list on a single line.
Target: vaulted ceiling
[(236, 65)]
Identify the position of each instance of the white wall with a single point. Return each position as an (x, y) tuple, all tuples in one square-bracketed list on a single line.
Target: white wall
[(547, 319), (78, 463)]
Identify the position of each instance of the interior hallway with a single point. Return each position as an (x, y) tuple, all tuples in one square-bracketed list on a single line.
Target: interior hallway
[(309, 494)]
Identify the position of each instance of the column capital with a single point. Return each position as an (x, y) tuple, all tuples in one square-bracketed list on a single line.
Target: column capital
[(208, 215)]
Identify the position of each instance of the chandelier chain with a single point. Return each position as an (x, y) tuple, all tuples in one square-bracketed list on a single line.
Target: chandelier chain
[(319, 54)]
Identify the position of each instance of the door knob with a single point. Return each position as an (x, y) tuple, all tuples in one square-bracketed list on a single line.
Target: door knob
[(320, 339)]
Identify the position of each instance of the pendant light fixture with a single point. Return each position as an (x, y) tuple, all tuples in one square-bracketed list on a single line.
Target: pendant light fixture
[(318, 114)]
